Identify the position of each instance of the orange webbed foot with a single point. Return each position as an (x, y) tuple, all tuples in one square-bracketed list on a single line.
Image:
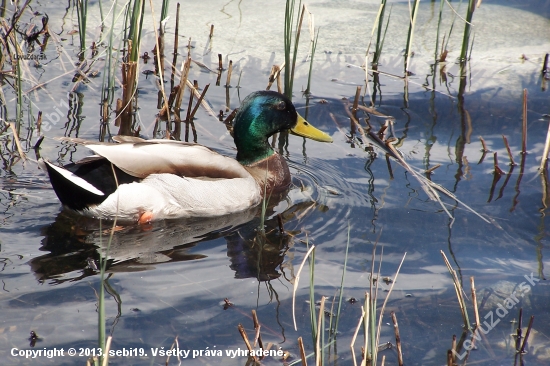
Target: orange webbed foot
[(146, 218)]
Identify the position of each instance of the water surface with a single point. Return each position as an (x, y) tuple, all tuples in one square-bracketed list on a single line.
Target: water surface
[(169, 279)]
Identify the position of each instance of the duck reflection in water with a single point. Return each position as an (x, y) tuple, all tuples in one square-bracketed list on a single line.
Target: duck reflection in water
[(256, 253), (74, 245)]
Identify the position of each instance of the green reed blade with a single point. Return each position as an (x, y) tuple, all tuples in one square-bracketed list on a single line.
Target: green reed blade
[(313, 48), (342, 286), (313, 318), (467, 31), (412, 21)]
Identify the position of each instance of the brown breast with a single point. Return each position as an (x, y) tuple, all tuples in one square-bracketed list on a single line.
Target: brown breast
[(271, 173)]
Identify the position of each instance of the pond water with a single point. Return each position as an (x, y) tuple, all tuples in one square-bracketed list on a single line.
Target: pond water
[(169, 279)]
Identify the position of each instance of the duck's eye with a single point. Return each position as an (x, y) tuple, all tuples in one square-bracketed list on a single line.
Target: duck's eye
[(281, 106)]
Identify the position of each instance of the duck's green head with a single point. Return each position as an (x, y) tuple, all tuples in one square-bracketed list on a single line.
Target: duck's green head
[(262, 114)]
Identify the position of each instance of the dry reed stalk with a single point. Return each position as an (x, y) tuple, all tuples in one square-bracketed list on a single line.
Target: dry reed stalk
[(187, 117), (229, 72), (204, 104), (356, 102), (118, 111), (107, 349), (183, 82), (160, 63), (483, 145), (129, 71), (189, 48), (429, 187), (431, 170), (176, 31), (230, 117), (527, 334), (279, 82), (39, 122), (17, 141), (16, 17), (524, 124), (220, 62), (296, 281), (175, 52), (199, 102), (372, 111), (257, 327), (211, 31), (544, 158), (355, 334), (459, 291), (366, 319), (318, 350), (453, 347), (105, 111), (512, 162), (220, 69), (175, 344), (397, 339), (275, 74), (378, 274), (518, 330), (271, 77), (497, 168), (302, 351), (246, 341), (474, 301), (386, 301), (359, 128), (227, 103), (354, 109)]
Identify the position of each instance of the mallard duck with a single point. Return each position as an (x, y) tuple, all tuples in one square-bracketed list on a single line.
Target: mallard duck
[(145, 180)]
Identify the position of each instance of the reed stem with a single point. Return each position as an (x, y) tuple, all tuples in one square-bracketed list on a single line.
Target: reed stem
[(302, 351), (82, 12), (544, 158), (474, 301), (289, 43), (522, 350), (467, 31), (524, 124), (229, 72), (246, 341), (510, 156), (397, 339), (408, 51), (518, 330)]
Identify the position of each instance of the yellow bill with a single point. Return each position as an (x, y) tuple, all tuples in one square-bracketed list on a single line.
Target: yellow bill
[(305, 129)]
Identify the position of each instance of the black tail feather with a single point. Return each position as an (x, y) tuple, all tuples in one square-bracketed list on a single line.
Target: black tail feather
[(97, 172)]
